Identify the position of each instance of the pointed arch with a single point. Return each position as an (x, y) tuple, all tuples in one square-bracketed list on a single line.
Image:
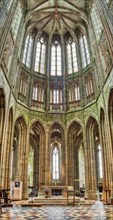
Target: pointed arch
[(93, 141), (75, 140), (37, 145), (56, 137), (19, 154)]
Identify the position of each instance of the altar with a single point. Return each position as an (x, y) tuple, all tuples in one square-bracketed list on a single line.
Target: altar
[(56, 190)]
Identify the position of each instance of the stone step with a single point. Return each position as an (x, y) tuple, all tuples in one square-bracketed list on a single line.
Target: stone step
[(51, 201)]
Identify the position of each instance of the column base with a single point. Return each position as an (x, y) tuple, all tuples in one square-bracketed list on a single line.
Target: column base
[(106, 196)]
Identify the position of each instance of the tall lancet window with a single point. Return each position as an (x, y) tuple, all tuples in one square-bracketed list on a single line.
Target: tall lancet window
[(56, 60), (40, 59), (28, 49), (56, 163), (96, 21), (84, 51), (100, 161), (72, 63)]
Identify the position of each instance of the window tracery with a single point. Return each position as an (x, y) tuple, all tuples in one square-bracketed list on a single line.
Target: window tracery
[(74, 95), (55, 163), (16, 20), (40, 58), (97, 24), (56, 98), (89, 85), (23, 85), (27, 55), (72, 63), (38, 94), (56, 59), (84, 51)]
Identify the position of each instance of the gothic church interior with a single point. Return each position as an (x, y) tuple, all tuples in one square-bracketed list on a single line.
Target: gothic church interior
[(56, 96)]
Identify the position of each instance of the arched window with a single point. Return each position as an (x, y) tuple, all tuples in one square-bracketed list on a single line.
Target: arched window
[(56, 99), (89, 85), (40, 59), (74, 95), (16, 20), (4, 8), (100, 171), (35, 92), (72, 63), (38, 95), (77, 92), (56, 59), (84, 51), (23, 85), (55, 163), (97, 24), (28, 51)]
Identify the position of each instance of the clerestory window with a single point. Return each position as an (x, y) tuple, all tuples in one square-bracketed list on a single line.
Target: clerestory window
[(56, 59), (28, 49), (40, 58), (16, 20), (84, 51), (72, 63), (96, 21)]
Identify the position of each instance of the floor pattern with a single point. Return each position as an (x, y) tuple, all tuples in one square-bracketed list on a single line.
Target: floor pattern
[(97, 211)]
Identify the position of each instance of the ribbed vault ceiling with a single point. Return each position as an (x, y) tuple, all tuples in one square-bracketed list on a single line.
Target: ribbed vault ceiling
[(56, 16)]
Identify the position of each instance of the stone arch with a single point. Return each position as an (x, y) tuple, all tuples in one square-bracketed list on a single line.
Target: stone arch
[(37, 143), (19, 154), (75, 140), (92, 141), (56, 136), (55, 129)]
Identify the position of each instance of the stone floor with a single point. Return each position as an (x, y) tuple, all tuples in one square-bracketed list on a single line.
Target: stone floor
[(96, 211)]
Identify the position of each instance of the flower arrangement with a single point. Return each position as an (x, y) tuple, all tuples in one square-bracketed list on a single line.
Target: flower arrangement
[(47, 192)]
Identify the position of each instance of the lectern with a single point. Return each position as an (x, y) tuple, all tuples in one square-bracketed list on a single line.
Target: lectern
[(17, 190)]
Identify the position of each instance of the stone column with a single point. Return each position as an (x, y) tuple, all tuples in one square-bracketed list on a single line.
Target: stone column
[(70, 161), (47, 157), (106, 137), (76, 169), (48, 74), (25, 165), (41, 161), (63, 73), (91, 164), (8, 150)]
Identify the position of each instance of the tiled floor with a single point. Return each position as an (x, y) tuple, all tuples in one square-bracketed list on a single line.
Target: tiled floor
[(97, 211)]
